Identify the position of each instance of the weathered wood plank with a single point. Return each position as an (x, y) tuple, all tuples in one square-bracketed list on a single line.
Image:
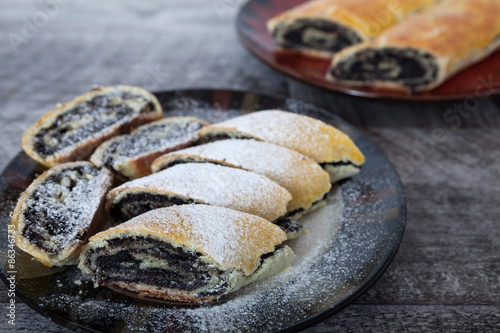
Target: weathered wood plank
[(412, 318), (355, 318), (27, 320)]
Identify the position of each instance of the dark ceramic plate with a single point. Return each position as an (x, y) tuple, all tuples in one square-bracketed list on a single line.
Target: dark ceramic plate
[(350, 243), (478, 80)]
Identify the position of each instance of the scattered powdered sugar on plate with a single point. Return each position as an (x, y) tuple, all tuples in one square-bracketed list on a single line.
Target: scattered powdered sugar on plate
[(217, 185), (64, 203), (155, 136), (299, 174), (199, 109)]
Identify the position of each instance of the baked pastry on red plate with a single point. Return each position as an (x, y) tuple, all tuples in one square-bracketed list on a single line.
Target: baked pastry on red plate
[(320, 28), (423, 51)]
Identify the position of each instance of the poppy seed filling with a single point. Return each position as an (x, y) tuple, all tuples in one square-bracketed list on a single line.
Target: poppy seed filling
[(88, 119), (150, 138), (316, 34), (337, 164), (143, 263), (224, 136), (134, 204), (288, 225), (136, 261), (57, 212), (410, 67), (184, 160)]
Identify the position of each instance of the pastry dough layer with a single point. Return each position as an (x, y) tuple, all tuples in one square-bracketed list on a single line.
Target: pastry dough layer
[(446, 38), (198, 252), (130, 155), (306, 135), (226, 237), (322, 27), (306, 181), (203, 183)]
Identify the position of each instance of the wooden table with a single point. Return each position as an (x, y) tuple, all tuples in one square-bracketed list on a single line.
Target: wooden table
[(446, 275)]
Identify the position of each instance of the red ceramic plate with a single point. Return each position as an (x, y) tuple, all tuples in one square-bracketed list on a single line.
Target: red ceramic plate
[(478, 80)]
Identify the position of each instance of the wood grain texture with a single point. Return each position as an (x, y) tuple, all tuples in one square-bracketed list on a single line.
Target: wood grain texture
[(445, 276), (412, 318)]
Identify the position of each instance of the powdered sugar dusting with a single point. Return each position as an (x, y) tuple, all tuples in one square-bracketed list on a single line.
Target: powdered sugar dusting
[(219, 186), (306, 135), (300, 175), (64, 204), (230, 238), (156, 136)]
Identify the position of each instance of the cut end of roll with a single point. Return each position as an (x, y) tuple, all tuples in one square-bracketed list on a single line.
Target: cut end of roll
[(318, 36), (404, 68)]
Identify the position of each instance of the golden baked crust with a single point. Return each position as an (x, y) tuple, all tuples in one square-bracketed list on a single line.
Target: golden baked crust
[(75, 233), (229, 241), (306, 135), (453, 34), (226, 237), (306, 181), (364, 19), (82, 148), (205, 183), (130, 155)]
